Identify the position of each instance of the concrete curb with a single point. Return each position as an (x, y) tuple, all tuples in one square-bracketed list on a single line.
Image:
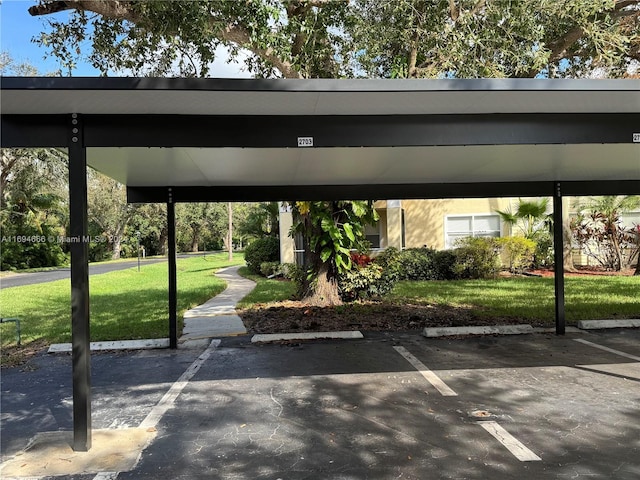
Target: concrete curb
[(602, 324), (481, 330), (115, 345), (276, 337)]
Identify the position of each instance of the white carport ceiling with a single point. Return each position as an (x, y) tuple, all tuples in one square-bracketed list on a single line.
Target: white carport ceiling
[(141, 166)]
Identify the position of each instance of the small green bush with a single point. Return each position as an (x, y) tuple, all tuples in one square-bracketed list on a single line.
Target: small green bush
[(518, 252), (443, 265), (543, 254), (418, 263), (266, 249), (365, 282), (477, 258), (270, 268)]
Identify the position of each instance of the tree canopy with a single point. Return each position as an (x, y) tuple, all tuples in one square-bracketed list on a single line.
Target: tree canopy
[(342, 38)]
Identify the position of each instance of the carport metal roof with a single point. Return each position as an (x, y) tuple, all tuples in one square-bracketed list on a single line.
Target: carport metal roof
[(175, 140), (398, 138)]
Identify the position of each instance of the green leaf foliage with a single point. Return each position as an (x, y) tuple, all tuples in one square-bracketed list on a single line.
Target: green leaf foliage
[(357, 38), (333, 229), (263, 250)]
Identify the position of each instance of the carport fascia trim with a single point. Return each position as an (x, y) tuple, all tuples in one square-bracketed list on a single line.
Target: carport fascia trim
[(262, 193), (277, 131)]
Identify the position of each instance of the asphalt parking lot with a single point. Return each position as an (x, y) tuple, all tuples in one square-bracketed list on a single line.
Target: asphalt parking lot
[(390, 406)]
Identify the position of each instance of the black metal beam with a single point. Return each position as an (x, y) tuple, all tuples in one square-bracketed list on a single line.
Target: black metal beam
[(279, 131), (558, 258), (365, 192), (34, 131), (171, 256), (79, 247)]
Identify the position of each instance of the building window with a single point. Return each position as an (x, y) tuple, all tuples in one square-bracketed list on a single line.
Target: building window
[(462, 226), (372, 234)]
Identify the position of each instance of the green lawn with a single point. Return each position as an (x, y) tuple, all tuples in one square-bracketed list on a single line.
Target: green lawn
[(527, 298), (530, 298), (267, 290), (126, 304)]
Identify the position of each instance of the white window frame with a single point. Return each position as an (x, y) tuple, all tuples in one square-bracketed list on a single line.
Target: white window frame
[(473, 232)]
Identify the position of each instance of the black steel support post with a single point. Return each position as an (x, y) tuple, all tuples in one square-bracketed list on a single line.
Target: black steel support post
[(558, 258), (79, 247), (173, 290)]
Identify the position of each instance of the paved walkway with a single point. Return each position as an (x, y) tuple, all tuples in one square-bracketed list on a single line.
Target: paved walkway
[(217, 317)]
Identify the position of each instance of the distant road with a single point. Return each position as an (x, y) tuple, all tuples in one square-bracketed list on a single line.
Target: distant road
[(20, 279)]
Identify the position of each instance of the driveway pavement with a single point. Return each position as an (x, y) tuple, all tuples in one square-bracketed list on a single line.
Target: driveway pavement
[(19, 279), (389, 406)]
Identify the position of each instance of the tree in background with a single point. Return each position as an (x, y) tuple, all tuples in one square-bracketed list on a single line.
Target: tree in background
[(33, 199), (599, 232), (200, 226), (530, 216), (533, 220), (261, 220), (108, 212), (150, 219)]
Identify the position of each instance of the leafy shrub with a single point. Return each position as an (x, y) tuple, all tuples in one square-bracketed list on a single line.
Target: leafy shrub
[(443, 265), (364, 282), (18, 252), (518, 252), (543, 254), (266, 249), (360, 259), (270, 268), (389, 260), (296, 274), (418, 263), (477, 257)]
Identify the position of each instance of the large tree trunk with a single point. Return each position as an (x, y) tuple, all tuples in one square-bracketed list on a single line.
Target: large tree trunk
[(325, 290), (116, 247), (163, 241)]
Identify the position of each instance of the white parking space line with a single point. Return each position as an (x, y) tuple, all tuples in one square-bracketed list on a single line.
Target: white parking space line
[(106, 476), (607, 349), (518, 450), (431, 377), (169, 398)]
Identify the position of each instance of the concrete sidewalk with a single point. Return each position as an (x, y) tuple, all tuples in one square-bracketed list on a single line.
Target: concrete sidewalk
[(217, 317)]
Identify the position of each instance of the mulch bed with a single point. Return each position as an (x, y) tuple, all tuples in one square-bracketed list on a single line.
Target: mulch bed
[(296, 316)]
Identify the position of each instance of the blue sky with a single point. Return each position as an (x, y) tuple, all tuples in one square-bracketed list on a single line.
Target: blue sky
[(17, 28)]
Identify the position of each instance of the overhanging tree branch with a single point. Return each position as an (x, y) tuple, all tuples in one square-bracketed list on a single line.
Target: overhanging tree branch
[(121, 10)]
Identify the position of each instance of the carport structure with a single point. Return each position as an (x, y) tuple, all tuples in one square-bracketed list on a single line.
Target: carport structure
[(212, 140)]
